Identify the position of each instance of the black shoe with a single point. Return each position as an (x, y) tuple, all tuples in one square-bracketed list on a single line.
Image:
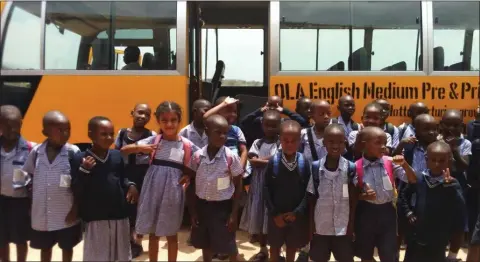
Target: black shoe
[(222, 256), (137, 250), (302, 257)]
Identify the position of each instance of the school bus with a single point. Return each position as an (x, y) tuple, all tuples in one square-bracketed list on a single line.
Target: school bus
[(68, 55)]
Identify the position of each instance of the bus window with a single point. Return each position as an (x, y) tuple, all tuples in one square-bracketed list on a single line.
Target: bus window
[(21, 47), (314, 35), (455, 36), (392, 34)]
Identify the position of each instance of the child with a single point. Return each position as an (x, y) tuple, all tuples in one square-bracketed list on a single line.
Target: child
[(303, 109), (312, 138), (407, 130), (251, 124), (388, 127), (100, 185), (161, 202), (451, 127), (474, 248), (136, 164), (15, 224), (376, 217), (287, 176), (195, 131), (218, 186), (372, 117), (54, 212), (440, 211), (254, 217), (335, 197), (346, 106)]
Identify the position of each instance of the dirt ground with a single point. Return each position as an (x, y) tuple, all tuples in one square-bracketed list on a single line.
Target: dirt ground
[(186, 253)]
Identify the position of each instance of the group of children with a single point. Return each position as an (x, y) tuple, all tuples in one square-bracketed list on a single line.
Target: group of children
[(335, 186)]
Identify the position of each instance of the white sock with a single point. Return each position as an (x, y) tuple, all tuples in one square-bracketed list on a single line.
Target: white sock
[(452, 255), (264, 250), (306, 248)]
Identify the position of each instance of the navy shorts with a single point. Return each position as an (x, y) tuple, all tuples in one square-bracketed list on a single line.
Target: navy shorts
[(321, 248), (212, 232), (376, 226), (15, 223), (66, 238), (293, 235)]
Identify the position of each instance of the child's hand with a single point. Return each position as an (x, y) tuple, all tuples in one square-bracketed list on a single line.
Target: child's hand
[(265, 107), (232, 223), (289, 217), (279, 221), (146, 149), (369, 193), (412, 219), (452, 142), (409, 140), (446, 176), (132, 194), (184, 180), (72, 216), (398, 160), (88, 162), (279, 108), (230, 101), (194, 220)]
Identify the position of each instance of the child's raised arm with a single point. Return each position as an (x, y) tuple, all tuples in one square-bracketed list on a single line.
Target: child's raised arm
[(135, 149), (409, 172), (228, 101)]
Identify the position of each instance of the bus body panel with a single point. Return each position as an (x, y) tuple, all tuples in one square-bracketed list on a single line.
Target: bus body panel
[(83, 97), (437, 92)]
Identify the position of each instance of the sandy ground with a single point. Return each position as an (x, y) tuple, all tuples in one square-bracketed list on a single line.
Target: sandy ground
[(186, 253)]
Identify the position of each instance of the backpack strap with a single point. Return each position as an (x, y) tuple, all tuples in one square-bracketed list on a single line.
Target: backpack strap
[(316, 176), (301, 163), (29, 146), (155, 142), (387, 163), (408, 154), (351, 170), (187, 151), (260, 142), (401, 130), (354, 125), (276, 163), (390, 129), (311, 143), (359, 169), (121, 136)]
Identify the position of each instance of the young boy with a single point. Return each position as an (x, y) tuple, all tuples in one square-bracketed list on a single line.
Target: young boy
[(372, 117), (407, 130), (195, 131), (100, 186), (136, 164), (335, 197), (303, 109), (312, 137), (440, 205), (15, 224), (287, 176), (214, 206), (388, 127), (376, 216), (346, 106), (254, 217), (251, 124), (54, 212)]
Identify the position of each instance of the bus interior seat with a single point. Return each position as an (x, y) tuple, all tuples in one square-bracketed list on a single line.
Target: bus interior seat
[(358, 60), (400, 66), (148, 61), (340, 66), (249, 103), (101, 51), (438, 59), (460, 66), (217, 79)]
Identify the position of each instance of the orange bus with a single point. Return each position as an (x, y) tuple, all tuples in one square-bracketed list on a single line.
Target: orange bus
[(67, 55)]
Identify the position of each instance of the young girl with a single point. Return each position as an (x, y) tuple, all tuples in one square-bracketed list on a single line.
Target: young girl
[(136, 165), (161, 202), (254, 217), (100, 187)]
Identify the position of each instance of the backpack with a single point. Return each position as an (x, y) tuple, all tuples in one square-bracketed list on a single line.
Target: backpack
[(390, 129), (71, 155), (262, 141), (387, 163), (355, 126), (121, 138), (401, 130), (316, 175), (187, 150), (311, 142), (300, 165)]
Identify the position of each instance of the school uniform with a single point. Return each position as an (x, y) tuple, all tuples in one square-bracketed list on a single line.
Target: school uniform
[(214, 191), (235, 138), (136, 166), (161, 202), (348, 126), (15, 223), (440, 212), (254, 217), (52, 198), (101, 194), (332, 212), (286, 191), (353, 137), (189, 132), (312, 146), (376, 220), (395, 134)]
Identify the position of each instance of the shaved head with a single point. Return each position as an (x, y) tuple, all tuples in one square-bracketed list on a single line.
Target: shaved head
[(54, 117), (215, 120), (10, 112)]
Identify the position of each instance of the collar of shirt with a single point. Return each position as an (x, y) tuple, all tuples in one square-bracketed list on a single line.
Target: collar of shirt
[(367, 163), (204, 153), (331, 174), (341, 121), (191, 129), (432, 181), (97, 157)]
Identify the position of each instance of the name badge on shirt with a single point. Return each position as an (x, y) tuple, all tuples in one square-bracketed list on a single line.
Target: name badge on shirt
[(176, 155), (223, 183), (19, 176), (387, 184), (345, 190), (65, 180)]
